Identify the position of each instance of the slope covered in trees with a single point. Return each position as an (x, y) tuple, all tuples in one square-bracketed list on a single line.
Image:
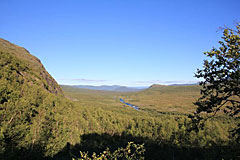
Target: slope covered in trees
[(29, 98), (19, 60)]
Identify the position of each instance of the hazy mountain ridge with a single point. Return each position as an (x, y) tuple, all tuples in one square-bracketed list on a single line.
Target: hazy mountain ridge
[(116, 88)]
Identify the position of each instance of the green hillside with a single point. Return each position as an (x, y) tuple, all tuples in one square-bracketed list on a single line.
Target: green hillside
[(26, 66), (31, 104), (162, 98), (40, 121)]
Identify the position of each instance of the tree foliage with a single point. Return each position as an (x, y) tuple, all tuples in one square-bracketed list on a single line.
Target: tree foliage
[(221, 73)]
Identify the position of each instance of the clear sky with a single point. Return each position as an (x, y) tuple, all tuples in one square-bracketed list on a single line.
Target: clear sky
[(124, 42)]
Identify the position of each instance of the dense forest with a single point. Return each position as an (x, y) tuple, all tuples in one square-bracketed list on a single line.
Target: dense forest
[(41, 120)]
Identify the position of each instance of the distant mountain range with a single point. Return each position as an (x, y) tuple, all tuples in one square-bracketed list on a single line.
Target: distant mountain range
[(115, 88), (118, 88)]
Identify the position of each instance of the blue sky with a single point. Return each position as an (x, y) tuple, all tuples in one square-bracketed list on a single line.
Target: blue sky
[(125, 42)]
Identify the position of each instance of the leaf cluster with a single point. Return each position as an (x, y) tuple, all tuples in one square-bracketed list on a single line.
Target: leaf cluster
[(131, 152)]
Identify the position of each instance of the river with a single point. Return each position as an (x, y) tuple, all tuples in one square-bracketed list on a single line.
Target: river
[(131, 105)]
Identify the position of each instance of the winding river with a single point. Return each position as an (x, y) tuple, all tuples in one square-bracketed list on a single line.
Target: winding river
[(131, 105)]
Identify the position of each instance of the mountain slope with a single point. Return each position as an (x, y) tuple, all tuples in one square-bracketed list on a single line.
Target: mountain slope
[(31, 104), (27, 66)]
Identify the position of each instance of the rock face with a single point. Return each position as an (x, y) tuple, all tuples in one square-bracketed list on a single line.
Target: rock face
[(32, 69)]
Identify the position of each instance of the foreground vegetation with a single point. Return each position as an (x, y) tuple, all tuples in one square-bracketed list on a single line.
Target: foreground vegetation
[(132, 151)]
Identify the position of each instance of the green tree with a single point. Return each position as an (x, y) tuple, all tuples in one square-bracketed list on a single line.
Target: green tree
[(221, 85)]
